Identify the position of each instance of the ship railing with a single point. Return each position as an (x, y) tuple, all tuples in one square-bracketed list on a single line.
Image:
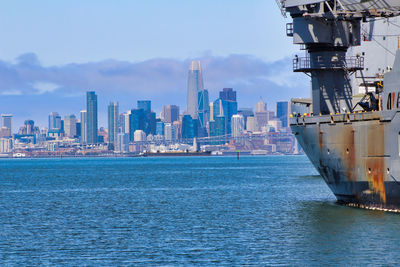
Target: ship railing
[(305, 64)]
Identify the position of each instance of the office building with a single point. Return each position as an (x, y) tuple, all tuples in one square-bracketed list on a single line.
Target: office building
[(170, 132), (113, 115), (84, 127), (237, 125), (228, 94), (54, 121), (5, 132), (245, 112), (195, 84), (136, 122), (70, 126), (6, 145), (144, 104), (226, 108), (261, 106), (122, 143), (139, 136), (189, 127), (282, 112), (171, 113), (160, 128), (6, 121), (203, 108), (251, 124), (91, 109)]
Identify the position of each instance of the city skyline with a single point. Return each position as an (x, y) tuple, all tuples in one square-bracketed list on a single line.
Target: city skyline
[(40, 74)]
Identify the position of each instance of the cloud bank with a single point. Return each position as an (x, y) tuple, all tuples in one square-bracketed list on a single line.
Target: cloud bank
[(30, 90)]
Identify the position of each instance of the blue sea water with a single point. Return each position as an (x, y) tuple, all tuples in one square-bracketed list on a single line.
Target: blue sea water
[(203, 211)]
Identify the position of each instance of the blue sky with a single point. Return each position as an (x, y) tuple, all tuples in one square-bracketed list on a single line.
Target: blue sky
[(51, 52)]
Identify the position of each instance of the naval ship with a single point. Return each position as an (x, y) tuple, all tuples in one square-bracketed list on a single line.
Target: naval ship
[(351, 133)]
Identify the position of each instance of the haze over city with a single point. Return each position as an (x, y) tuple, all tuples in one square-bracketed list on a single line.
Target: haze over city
[(96, 45)]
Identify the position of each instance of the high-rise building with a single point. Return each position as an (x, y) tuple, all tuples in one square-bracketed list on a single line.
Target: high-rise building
[(6, 121), (171, 113), (160, 128), (144, 104), (189, 127), (203, 108), (237, 125), (170, 132), (246, 112), (70, 126), (84, 127), (136, 122), (195, 84), (251, 124), (226, 108), (122, 142), (282, 112), (227, 94), (220, 125), (6, 145), (91, 108), (113, 115), (261, 106), (54, 121)]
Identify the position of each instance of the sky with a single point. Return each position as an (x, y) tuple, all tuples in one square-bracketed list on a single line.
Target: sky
[(52, 52)]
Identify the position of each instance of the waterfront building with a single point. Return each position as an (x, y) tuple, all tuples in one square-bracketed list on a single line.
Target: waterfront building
[(113, 123), (170, 132), (122, 143), (171, 113), (195, 84), (189, 127), (139, 136), (91, 108), (54, 121), (282, 112), (70, 126), (237, 125), (84, 127), (6, 121)]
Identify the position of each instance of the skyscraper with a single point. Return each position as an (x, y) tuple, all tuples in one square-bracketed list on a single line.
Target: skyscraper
[(195, 84), (6, 121), (144, 104), (113, 115), (54, 121), (203, 108), (171, 113), (237, 125), (136, 122), (70, 126), (227, 94), (226, 108), (282, 112), (261, 106), (189, 127), (91, 108), (84, 127)]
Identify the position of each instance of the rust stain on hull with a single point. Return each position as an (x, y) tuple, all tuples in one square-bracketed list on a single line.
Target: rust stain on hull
[(375, 168)]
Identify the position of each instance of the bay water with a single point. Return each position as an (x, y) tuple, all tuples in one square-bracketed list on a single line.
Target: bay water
[(174, 211)]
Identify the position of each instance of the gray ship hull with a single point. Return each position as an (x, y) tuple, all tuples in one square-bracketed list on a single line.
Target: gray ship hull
[(357, 154)]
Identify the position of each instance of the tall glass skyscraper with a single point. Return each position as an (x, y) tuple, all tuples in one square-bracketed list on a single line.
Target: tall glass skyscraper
[(113, 115), (54, 121), (282, 112), (195, 84), (144, 104), (91, 108), (203, 106)]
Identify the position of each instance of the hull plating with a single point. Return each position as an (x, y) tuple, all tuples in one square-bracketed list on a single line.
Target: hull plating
[(357, 155)]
